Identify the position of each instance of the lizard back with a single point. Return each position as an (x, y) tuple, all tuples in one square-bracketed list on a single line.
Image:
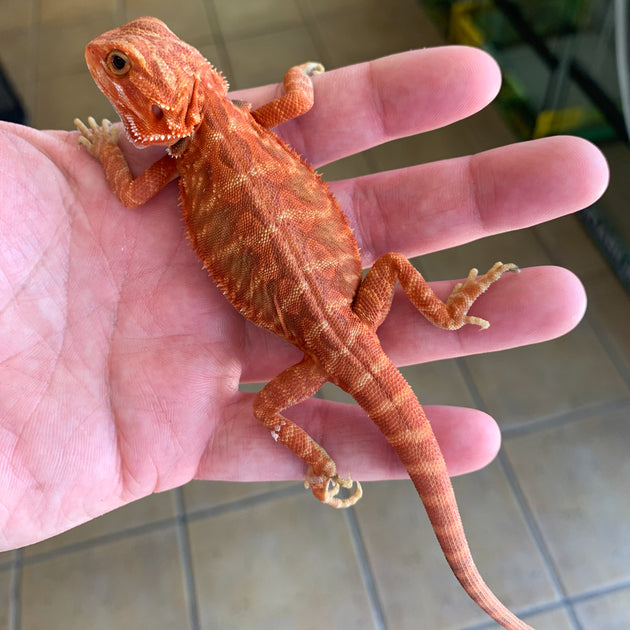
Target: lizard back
[(265, 225)]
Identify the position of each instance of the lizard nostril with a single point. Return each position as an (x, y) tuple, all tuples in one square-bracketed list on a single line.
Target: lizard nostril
[(157, 112)]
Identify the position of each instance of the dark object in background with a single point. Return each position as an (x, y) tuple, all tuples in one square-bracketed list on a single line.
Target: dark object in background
[(10, 106)]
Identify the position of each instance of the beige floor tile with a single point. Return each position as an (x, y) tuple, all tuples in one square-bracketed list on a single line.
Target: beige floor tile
[(377, 29), (16, 14), (27, 94), (188, 20), (54, 110), (520, 247), (6, 557), (536, 382), (216, 56), (352, 166), (614, 203), (438, 383), (609, 311), (156, 507), (571, 246), (66, 54), (133, 583), (320, 7), (69, 11), (248, 17), (423, 148), (284, 564), (487, 129), (5, 595), (331, 392), (575, 479), (265, 58), (608, 612), (458, 139), (252, 388), (557, 619), (412, 577), (18, 57), (199, 495)]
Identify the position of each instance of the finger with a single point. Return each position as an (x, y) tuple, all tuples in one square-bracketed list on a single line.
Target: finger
[(536, 305), (242, 450), (366, 104), (539, 304), (434, 206)]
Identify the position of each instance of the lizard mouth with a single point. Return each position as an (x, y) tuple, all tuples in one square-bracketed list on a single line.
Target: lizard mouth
[(142, 138), (175, 150)]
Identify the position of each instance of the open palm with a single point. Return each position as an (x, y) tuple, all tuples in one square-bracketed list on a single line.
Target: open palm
[(120, 360)]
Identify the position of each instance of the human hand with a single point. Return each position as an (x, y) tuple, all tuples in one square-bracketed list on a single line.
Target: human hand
[(120, 360)]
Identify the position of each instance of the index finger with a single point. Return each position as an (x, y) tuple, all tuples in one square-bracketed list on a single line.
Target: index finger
[(363, 105)]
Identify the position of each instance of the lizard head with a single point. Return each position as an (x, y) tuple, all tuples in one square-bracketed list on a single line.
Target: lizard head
[(153, 79)]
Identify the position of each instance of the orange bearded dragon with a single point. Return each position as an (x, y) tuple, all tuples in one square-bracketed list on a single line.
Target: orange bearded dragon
[(275, 241)]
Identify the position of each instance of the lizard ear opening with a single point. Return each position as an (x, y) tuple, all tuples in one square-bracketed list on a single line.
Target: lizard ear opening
[(157, 112), (193, 113)]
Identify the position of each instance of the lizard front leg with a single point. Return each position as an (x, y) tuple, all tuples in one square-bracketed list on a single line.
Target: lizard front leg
[(374, 297), (297, 100), (293, 385), (102, 142)]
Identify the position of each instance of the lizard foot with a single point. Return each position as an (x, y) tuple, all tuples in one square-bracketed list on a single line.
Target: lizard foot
[(475, 285), (95, 136), (312, 67), (327, 489)]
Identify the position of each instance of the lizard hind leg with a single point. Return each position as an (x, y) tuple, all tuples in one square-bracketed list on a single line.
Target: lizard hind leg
[(375, 294), (290, 387)]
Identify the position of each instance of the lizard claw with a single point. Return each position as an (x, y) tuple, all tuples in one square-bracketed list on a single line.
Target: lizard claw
[(465, 293), (95, 136), (312, 67), (327, 489)]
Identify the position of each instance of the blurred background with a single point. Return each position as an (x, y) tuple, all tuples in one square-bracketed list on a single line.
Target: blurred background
[(548, 520)]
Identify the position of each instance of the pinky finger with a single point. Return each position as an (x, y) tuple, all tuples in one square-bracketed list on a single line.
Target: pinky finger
[(242, 450)]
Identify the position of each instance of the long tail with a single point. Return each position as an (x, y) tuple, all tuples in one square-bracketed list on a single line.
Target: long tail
[(390, 402)]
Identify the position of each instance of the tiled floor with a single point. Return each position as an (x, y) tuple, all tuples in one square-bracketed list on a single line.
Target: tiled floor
[(548, 521)]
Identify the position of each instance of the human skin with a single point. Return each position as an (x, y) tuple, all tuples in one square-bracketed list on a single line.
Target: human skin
[(120, 360)]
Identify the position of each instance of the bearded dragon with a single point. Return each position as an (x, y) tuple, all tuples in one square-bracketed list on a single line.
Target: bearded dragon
[(275, 241)]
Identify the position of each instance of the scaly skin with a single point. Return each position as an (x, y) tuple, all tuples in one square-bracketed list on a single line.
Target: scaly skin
[(277, 244)]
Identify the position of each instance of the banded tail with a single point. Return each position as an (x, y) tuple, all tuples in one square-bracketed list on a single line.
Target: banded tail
[(401, 419)]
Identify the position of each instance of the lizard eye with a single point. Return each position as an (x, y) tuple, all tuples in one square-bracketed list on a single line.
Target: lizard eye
[(118, 63)]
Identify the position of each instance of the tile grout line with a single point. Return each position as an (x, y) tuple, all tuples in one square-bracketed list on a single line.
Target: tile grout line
[(589, 317), (608, 346), (566, 417), (15, 599), (153, 526), (97, 541), (185, 556), (600, 592), (537, 535), (559, 605), (524, 507), (365, 569), (244, 503), (312, 28), (524, 612), (218, 38)]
